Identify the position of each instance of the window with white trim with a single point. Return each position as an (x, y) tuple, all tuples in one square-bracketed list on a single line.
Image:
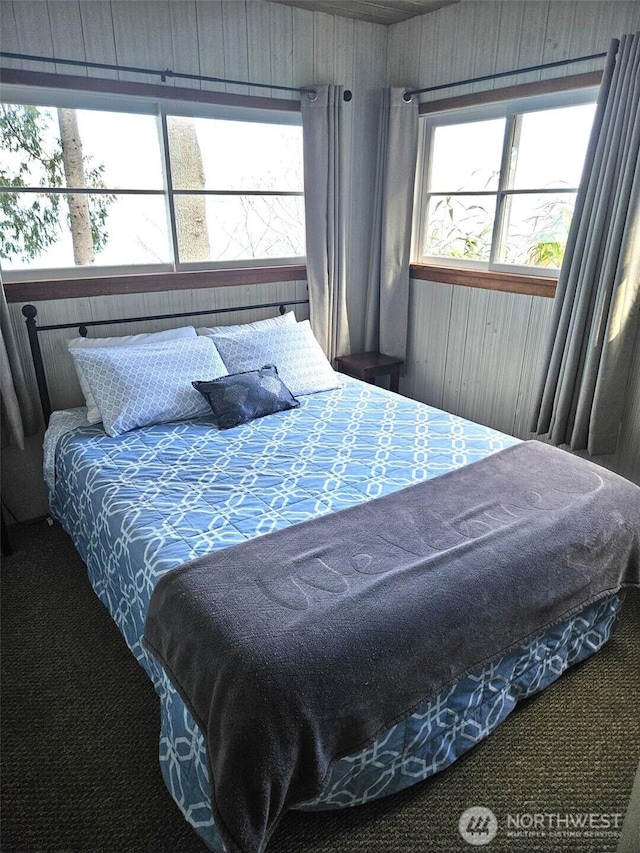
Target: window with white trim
[(107, 186), (496, 185)]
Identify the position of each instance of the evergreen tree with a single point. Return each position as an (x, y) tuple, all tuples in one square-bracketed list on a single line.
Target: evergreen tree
[(28, 228)]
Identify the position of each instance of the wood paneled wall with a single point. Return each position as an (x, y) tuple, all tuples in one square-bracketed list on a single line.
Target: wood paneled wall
[(470, 39), (478, 352)]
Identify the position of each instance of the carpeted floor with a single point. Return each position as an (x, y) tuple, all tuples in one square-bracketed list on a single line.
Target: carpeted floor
[(80, 721)]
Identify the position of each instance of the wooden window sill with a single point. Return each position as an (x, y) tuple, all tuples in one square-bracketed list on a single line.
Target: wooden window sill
[(34, 291), (529, 285)]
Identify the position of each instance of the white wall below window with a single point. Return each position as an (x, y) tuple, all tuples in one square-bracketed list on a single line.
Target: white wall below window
[(479, 353)]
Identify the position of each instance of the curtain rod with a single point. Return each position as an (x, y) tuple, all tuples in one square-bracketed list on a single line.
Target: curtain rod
[(410, 92), (162, 74)]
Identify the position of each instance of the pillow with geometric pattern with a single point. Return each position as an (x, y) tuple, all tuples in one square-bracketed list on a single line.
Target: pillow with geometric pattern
[(301, 363), (93, 415), (150, 384)]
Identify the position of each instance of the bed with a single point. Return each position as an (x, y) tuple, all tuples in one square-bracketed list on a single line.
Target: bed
[(145, 502)]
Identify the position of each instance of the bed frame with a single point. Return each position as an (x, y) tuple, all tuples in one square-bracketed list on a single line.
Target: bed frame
[(33, 330)]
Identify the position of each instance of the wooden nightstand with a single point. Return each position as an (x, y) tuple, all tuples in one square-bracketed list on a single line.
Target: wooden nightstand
[(368, 365)]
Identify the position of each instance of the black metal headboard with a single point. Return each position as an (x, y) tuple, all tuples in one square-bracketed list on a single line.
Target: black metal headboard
[(33, 330)]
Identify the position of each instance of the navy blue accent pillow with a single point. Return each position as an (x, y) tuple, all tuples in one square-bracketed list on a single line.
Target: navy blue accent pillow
[(242, 397)]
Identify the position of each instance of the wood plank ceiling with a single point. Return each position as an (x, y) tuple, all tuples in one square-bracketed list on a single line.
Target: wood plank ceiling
[(375, 11)]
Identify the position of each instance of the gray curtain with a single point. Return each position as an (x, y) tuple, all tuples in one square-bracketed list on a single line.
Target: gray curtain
[(388, 284), (19, 418), (596, 313), (323, 134)]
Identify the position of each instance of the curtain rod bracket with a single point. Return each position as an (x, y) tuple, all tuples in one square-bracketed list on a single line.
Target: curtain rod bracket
[(347, 95)]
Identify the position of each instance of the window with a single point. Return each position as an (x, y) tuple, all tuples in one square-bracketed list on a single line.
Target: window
[(237, 189), (497, 184), (140, 187)]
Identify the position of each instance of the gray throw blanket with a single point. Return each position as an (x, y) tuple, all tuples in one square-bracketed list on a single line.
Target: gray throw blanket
[(299, 647)]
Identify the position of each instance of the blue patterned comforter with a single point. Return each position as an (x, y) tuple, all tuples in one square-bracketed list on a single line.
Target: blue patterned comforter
[(140, 504)]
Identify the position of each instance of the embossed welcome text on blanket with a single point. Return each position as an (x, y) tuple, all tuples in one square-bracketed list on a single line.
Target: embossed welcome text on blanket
[(299, 647)]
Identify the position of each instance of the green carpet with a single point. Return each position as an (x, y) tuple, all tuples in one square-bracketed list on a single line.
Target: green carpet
[(80, 722)]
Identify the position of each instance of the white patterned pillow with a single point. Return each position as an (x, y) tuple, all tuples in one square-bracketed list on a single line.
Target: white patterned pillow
[(287, 319), (93, 415), (149, 384), (296, 353)]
